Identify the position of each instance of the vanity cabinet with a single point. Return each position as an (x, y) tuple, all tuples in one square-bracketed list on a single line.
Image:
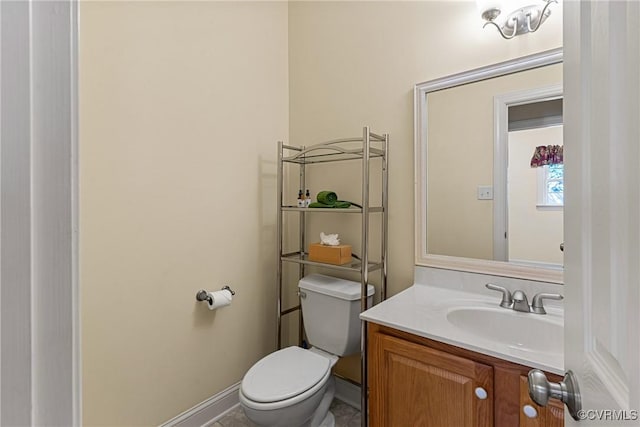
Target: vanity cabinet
[(415, 381)]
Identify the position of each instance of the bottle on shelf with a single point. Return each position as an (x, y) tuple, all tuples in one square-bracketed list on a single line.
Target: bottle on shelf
[(307, 199), (300, 199)]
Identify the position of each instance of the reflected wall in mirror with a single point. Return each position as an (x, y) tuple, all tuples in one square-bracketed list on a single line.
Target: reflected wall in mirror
[(480, 205)]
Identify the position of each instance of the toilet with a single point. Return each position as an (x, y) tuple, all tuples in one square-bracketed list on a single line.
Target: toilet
[(293, 387)]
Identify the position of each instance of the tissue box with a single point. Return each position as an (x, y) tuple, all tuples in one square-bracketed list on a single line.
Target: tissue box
[(338, 255)]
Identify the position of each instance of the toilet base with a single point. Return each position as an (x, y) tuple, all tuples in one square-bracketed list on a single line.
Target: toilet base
[(296, 416), (322, 414), (328, 421)]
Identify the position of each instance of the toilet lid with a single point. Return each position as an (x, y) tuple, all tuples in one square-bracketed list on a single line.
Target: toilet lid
[(284, 374)]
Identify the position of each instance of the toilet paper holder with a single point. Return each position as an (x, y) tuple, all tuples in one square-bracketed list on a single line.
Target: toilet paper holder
[(202, 295)]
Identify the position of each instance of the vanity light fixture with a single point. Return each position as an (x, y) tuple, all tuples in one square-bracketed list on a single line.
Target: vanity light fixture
[(514, 17)]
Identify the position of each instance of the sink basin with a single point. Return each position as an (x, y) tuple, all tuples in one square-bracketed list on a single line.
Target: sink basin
[(519, 331)]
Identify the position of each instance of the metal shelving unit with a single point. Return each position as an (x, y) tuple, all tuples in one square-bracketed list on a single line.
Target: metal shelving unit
[(368, 146)]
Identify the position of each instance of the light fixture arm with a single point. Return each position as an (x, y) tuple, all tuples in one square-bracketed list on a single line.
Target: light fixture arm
[(520, 20), (507, 37), (541, 17), (529, 23)]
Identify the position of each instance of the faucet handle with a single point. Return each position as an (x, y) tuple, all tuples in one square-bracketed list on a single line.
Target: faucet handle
[(506, 295), (536, 305)]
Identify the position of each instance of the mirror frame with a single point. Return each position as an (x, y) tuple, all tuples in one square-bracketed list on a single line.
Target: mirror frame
[(422, 257)]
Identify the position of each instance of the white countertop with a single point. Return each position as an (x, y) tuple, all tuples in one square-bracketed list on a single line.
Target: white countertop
[(422, 310)]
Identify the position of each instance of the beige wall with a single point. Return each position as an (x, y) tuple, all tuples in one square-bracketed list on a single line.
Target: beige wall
[(356, 63), (181, 105), (460, 139), (535, 233)]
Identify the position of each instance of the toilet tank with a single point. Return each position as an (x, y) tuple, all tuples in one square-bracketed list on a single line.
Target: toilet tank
[(330, 310)]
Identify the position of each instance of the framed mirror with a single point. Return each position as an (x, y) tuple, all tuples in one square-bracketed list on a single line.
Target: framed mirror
[(489, 173)]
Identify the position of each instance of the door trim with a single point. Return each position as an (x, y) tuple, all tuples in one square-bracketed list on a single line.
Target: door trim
[(40, 302)]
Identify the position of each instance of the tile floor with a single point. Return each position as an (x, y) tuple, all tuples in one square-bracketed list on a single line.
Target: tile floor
[(345, 415)]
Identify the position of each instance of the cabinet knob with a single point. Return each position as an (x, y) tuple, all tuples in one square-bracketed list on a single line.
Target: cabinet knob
[(530, 411), (481, 393)]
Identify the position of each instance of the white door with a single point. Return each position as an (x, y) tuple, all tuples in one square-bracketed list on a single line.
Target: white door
[(602, 206)]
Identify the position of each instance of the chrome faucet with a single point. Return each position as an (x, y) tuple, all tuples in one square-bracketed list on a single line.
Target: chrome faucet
[(518, 300)]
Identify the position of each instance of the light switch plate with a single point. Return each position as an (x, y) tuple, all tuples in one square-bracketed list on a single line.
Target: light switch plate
[(485, 192)]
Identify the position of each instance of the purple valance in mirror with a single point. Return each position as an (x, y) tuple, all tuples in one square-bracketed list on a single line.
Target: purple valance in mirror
[(547, 155)]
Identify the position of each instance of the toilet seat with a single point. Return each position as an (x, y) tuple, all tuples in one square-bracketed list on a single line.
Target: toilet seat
[(284, 374), (284, 378)]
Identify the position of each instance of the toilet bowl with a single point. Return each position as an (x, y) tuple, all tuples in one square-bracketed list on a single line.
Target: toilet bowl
[(292, 387)]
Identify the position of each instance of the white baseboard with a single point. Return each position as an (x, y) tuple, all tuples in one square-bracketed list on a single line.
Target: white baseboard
[(209, 411), (348, 392)]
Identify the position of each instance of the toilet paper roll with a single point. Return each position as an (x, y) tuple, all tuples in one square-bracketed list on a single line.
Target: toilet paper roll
[(219, 299)]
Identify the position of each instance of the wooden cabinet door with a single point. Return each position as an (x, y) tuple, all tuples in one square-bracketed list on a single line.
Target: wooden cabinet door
[(551, 415), (411, 385)]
